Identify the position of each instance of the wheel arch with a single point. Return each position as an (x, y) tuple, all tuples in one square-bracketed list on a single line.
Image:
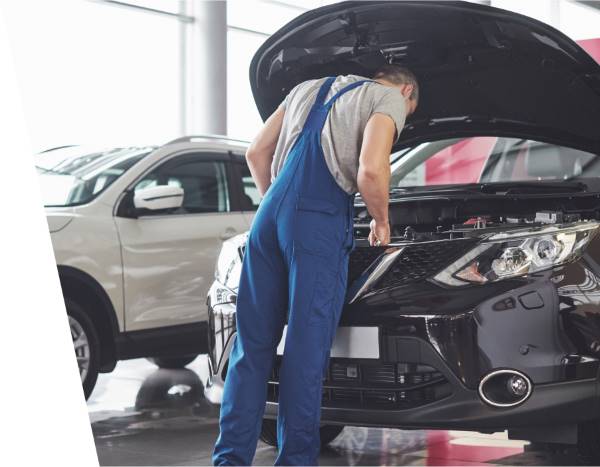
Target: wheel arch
[(87, 292)]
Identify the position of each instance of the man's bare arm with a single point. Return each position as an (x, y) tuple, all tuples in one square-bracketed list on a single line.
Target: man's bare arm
[(260, 153), (374, 174)]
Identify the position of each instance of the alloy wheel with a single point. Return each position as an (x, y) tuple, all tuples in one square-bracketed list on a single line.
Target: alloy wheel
[(82, 347)]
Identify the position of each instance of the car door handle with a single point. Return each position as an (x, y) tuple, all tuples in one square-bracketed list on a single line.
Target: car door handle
[(228, 233)]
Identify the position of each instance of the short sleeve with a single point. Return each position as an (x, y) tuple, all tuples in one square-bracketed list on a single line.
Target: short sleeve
[(290, 95), (391, 102), (285, 102)]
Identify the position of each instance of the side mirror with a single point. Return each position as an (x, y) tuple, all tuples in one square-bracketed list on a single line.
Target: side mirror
[(158, 197)]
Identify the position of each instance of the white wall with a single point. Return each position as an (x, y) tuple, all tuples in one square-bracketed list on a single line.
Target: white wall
[(575, 20), (250, 23), (579, 21)]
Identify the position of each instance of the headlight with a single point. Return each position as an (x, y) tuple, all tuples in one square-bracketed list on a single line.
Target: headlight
[(507, 255), (229, 262)]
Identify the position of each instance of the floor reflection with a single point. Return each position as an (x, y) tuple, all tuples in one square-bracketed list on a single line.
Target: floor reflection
[(170, 389), (142, 415)]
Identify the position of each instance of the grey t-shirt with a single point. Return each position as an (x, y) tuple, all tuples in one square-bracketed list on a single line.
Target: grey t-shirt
[(341, 137)]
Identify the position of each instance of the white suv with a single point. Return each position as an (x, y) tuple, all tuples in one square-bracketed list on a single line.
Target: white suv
[(136, 233)]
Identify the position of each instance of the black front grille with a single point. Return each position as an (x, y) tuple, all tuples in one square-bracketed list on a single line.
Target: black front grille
[(421, 261), (343, 372), (360, 259), (376, 385), (415, 263)]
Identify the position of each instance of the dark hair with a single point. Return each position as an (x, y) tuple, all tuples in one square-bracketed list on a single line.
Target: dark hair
[(399, 75)]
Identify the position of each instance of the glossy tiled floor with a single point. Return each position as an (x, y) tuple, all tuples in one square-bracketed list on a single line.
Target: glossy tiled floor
[(145, 416)]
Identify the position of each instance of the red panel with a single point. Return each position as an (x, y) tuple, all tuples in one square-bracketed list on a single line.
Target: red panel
[(459, 163), (591, 46)]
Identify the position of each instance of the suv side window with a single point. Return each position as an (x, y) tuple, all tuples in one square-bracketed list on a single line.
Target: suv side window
[(204, 184), (250, 194)]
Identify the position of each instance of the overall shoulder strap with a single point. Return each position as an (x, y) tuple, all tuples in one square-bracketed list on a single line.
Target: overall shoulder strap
[(343, 91), (323, 90)]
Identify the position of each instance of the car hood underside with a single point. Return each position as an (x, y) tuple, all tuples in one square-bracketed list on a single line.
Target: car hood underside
[(481, 70)]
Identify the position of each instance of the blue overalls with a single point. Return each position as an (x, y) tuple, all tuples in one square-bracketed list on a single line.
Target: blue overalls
[(295, 264)]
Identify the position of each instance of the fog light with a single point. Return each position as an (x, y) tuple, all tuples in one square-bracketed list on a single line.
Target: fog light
[(505, 388), (517, 385)]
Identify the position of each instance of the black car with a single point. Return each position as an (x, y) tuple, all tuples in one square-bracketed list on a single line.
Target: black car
[(484, 311)]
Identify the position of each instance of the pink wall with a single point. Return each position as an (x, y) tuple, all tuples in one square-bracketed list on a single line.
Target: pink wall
[(460, 163), (591, 46)]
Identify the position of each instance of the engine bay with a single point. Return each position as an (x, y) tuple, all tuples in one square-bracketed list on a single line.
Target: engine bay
[(418, 220)]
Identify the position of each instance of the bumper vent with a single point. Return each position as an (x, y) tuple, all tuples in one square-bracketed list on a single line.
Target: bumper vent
[(380, 374), (375, 385)]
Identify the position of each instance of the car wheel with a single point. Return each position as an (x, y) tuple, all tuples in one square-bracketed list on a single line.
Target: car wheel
[(86, 345), (173, 362), (268, 433), (588, 443)]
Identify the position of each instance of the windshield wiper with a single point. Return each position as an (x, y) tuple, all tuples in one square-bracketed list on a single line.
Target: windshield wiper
[(510, 188), (507, 188), (422, 190)]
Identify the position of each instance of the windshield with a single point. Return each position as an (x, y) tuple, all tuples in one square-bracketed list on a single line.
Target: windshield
[(488, 159), (73, 175)]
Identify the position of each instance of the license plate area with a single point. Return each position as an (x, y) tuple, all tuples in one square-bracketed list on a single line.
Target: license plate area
[(349, 342)]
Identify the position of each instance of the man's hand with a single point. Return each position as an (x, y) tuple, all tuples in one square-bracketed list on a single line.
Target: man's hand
[(380, 233)]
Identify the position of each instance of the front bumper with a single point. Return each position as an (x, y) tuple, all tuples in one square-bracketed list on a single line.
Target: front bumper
[(461, 336), (459, 407)]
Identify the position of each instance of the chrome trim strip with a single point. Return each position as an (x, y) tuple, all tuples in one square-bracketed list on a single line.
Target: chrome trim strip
[(490, 375), (384, 261)]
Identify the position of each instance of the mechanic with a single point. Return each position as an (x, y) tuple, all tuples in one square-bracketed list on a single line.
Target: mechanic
[(327, 140)]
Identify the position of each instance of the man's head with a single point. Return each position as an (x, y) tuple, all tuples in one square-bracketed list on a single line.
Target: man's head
[(403, 79)]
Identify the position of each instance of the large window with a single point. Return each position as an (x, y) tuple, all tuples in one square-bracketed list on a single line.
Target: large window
[(93, 73), (250, 22), (243, 120)]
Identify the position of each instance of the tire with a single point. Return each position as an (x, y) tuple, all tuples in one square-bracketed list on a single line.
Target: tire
[(86, 345), (173, 362), (268, 433)]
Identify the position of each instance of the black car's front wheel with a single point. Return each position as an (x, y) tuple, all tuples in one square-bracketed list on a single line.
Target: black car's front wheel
[(268, 433)]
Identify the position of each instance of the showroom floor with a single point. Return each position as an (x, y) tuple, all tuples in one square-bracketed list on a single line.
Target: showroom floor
[(145, 416)]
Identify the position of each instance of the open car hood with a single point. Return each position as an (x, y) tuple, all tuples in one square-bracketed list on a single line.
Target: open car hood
[(481, 70)]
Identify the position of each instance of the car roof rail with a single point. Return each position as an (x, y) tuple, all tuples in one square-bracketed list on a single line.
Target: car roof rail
[(65, 146), (192, 138)]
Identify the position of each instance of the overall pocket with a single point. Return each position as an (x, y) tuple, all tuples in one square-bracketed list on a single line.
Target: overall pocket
[(318, 227)]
